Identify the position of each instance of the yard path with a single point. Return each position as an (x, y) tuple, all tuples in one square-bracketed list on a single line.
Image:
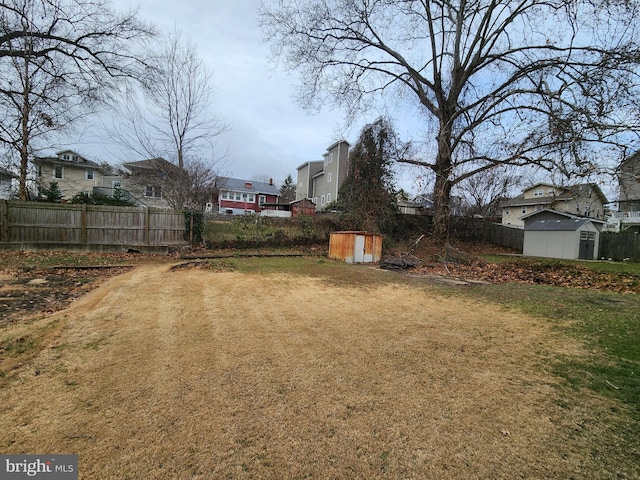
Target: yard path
[(193, 374)]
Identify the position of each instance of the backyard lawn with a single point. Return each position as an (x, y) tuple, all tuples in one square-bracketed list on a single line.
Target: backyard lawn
[(308, 368)]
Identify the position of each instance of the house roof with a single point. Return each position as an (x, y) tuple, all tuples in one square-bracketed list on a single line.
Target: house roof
[(555, 221), (150, 165), (557, 225), (80, 162), (568, 193), (338, 143), (248, 186), (548, 211), (557, 213), (313, 162)]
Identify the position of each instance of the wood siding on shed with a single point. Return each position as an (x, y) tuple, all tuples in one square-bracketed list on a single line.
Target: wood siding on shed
[(345, 246)]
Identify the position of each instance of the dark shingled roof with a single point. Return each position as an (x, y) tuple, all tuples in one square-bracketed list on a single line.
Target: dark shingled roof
[(565, 225)]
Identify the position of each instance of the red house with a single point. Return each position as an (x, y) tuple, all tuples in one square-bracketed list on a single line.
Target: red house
[(239, 197)]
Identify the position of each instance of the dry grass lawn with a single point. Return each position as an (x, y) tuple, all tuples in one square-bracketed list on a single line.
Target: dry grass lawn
[(194, 374)]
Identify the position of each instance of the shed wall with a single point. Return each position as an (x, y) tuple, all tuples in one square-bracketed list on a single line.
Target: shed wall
[(560, 244), (353, 247), (551, 244)]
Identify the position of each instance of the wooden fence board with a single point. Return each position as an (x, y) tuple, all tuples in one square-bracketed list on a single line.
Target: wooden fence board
[(619, 246), (34, 222)]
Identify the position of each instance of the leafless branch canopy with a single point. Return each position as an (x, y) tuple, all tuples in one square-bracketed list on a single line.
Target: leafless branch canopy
[(547, 82), (59, 59), (171, 117)]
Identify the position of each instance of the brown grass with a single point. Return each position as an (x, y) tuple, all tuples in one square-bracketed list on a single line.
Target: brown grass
[(200, 374)]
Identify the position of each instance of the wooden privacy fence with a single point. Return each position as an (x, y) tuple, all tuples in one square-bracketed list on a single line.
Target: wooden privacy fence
[(34, 222), (480, 230), (619, 246)]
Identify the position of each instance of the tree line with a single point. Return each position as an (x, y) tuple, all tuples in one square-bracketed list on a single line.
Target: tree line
[(63, 60), (547, 83)]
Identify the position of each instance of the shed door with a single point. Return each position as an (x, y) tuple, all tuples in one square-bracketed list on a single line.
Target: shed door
[(587, 245), (358, 249)]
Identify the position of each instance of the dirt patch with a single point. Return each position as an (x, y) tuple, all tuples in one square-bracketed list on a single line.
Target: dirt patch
[(204, 374), (26, 292)]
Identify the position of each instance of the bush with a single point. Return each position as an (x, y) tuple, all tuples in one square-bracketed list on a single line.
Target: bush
[(194, 221), (51, 194), (100, 199)]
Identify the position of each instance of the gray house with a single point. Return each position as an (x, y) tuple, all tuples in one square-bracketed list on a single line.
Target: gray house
[(553, 234), (320, 181)]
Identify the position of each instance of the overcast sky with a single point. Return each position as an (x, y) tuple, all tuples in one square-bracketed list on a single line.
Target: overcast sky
[(270, 134)]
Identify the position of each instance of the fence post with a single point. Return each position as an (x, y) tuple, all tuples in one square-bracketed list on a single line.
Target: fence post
[(83, 224), (191, 229), (146, 225), (4, 221)]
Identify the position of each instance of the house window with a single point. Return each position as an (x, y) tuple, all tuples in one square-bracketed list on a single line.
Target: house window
[(507, 211), (538, 192), (329, 177), (252, 197), (88, 174), (58, 171), (551, 192), (151, 191), (262, 199), (65, 157), (322, 200), (328, 198)]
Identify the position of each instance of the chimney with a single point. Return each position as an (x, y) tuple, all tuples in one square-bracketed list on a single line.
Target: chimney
[(247, 184), (270, 181)]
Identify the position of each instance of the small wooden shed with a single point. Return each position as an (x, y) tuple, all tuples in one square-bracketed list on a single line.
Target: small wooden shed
[(552, 234), (355, 247)]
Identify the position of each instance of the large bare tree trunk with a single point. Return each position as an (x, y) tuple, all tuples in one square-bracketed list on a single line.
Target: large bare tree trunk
[(443, 184), (24, 144)]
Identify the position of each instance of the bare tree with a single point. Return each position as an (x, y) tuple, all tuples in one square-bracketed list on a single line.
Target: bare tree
[(172, 116), (58, 60), (193, 185), (482, 194), (546, 82)]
